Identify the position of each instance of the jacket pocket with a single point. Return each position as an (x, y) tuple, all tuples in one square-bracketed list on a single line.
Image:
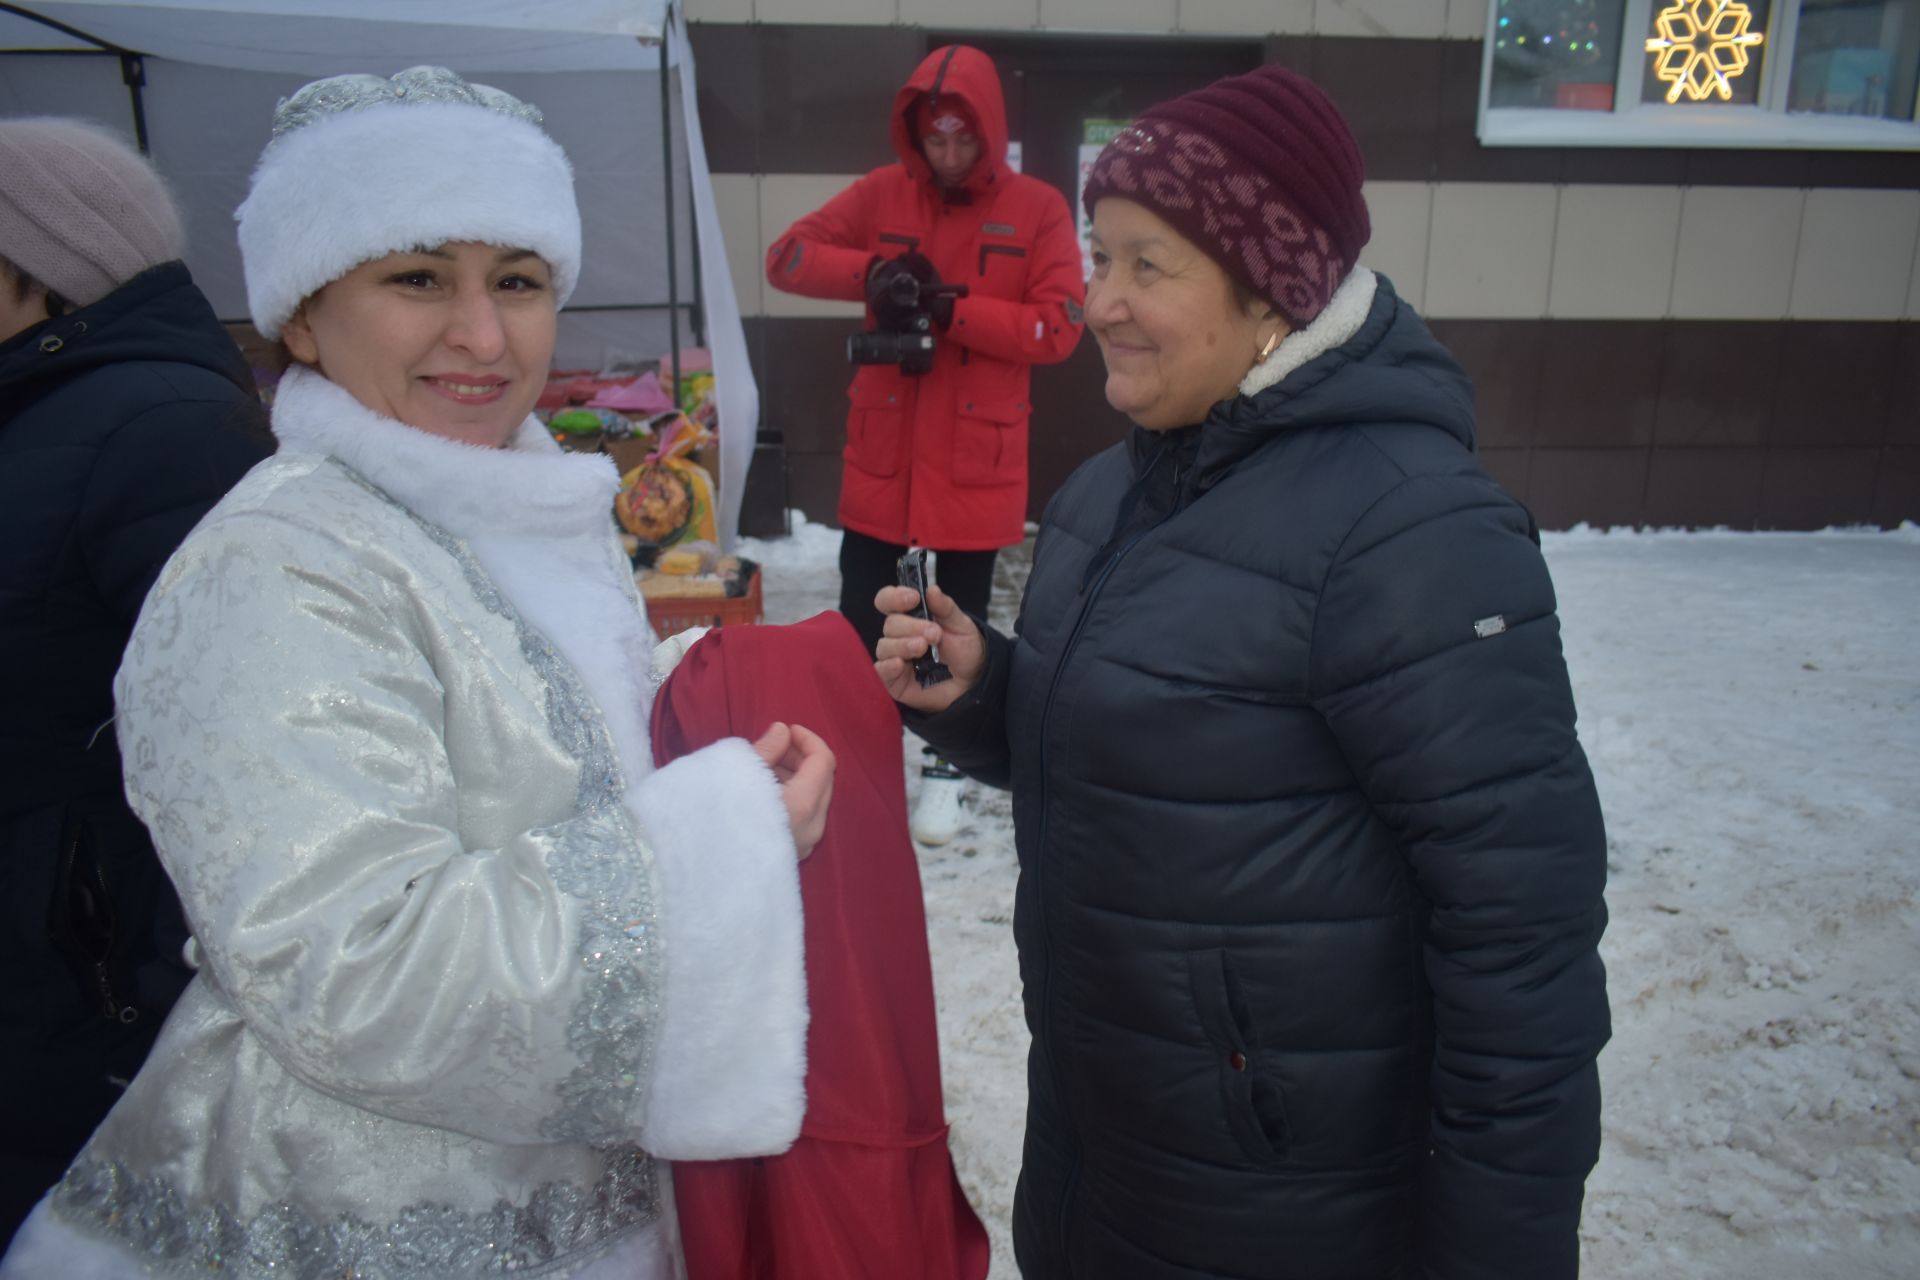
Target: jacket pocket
[(1251, 1097), (877, 429), (989, 441)]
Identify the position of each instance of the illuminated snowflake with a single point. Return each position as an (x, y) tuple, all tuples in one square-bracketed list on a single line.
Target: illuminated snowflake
[(1702, 46)]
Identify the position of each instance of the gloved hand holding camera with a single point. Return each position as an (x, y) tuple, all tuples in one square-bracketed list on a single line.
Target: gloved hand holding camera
[(908, 302)]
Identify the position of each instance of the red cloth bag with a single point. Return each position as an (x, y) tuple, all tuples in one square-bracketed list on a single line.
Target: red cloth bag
[(868, 1192)]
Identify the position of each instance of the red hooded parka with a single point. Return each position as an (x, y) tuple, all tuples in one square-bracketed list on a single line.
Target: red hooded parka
[(940, 459)]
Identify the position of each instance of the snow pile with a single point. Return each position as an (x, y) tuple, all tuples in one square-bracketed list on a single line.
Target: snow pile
[(1751, 704)]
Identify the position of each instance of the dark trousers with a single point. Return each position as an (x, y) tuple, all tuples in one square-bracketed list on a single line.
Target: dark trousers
[(868, 564)]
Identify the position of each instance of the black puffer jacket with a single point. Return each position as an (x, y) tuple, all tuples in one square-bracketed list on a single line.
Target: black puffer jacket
[(120, 425), (1311, 861)]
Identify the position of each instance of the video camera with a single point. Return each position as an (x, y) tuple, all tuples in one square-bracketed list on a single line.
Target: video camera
[(908, 301)]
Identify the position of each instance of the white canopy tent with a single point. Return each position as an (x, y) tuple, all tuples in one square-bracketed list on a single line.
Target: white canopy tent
[(196, 82)]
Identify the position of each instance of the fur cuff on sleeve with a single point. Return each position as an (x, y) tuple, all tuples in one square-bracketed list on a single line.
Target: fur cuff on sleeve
[(730, 1061)]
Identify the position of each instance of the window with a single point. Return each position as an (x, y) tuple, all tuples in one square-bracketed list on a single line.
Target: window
[(1703, 73)]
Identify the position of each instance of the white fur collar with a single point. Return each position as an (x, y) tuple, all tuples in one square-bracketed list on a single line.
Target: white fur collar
[(1345, 312), (531, 487)]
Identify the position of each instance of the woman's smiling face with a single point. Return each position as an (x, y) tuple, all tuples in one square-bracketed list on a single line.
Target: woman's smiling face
[(1175, 340), (453, 340)]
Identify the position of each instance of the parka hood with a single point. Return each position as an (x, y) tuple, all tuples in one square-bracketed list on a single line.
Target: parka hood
[(963, 72), (160, 314)]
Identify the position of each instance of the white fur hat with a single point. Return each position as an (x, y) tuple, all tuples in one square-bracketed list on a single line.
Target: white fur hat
[(360, 167)]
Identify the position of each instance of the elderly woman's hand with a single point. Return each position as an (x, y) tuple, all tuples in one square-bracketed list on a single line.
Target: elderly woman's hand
[(804, 764), (907, 636)]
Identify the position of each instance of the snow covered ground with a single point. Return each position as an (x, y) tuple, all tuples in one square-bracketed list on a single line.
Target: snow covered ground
[(1751, 704)]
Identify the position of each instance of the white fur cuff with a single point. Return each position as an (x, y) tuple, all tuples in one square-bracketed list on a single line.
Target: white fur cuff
[(729, 1076)]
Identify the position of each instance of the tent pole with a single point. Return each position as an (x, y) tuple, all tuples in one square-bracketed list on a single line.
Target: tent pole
[(666, 175), (133, 74)]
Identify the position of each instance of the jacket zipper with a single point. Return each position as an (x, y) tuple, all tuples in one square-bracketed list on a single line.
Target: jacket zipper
[(98, 958), (1039, 869)]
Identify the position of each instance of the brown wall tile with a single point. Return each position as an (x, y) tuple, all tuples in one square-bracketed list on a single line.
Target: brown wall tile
[(1717, 382), (1389, 91), (1460, 157), (1643, 166), (803, 374), (827, 92), (1903, 426), (1599, 383), (1894, 169), (1503, 359), (1896, 490), (731, 108), (1704, 487), (814, 481), (1602, 487), (1836, 383), (1814, 488), (1734, 167), (1508, 467)]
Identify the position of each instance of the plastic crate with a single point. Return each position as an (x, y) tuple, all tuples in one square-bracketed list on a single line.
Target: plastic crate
[(669, 615)]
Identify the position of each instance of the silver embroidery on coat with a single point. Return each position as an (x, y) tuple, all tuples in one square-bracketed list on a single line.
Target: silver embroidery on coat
[(619, 943), (558, 1230), (561, 1225)]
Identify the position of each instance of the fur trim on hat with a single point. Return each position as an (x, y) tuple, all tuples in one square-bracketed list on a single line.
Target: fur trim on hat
[(357, 186)]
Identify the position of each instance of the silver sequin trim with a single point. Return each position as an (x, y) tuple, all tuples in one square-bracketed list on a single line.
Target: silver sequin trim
[(560, 1229), (338, 94), (619, 940)]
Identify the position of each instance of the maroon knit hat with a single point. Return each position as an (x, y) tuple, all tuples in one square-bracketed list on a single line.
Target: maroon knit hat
[(1261, 172)]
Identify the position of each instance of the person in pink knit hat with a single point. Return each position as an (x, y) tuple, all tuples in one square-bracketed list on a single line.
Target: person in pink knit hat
[(125, 413)]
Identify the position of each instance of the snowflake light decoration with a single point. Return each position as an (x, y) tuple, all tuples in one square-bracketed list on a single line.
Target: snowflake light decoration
[(1702, 47)]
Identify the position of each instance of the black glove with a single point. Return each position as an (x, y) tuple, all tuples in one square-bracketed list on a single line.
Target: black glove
[(895, 286)]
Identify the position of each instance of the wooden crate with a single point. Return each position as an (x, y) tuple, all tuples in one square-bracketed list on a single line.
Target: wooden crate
[(669, 615)]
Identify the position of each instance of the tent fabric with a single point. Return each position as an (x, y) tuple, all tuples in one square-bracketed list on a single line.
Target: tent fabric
[(215, 68)]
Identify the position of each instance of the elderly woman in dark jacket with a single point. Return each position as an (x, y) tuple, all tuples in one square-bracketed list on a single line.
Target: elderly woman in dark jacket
[(125, 413), (1311, 859)]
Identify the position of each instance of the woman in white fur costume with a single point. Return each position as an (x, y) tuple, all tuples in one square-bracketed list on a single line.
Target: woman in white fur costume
[(468, 964)]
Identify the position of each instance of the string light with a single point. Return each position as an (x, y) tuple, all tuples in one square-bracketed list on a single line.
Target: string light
[(1702, 47)]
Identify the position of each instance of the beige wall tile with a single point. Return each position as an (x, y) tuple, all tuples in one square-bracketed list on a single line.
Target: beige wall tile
[(1402, 215), (1852, 244), (1613, 252), (1491, 252), (1004, 14), (719, 10), (1736, 253), (1247, 17), (1467, 19), (785, 198), (736, 197), (1411, 19), (824, 11), (1108, 15)]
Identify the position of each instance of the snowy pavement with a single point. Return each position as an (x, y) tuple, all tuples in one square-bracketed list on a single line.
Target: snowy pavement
[(1751, 704)]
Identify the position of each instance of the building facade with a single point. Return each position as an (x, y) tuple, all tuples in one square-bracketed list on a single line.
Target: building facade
[(1696, 312)]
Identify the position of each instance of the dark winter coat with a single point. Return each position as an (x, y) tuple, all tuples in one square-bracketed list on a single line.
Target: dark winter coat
[(120, 424), (1311, 860), (940, 459)]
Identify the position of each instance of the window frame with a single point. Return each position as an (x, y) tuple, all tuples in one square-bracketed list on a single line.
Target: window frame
[(1633, 123)]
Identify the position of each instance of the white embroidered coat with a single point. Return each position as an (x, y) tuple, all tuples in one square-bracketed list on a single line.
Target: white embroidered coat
[(466, 957)]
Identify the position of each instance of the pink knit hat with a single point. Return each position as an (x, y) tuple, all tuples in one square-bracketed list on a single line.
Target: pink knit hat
[(80, 210), (1261, 172)]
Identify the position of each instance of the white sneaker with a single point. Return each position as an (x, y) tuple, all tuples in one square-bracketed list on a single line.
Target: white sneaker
[(936, 813)]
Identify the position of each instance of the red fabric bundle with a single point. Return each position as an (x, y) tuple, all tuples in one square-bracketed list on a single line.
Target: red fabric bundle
[(868, 1192)]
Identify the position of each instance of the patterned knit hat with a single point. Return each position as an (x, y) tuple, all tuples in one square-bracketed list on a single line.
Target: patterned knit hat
[(80, 210), (1261, 172)]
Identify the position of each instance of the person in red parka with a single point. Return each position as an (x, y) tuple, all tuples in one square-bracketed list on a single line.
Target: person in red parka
[(939, 459)]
